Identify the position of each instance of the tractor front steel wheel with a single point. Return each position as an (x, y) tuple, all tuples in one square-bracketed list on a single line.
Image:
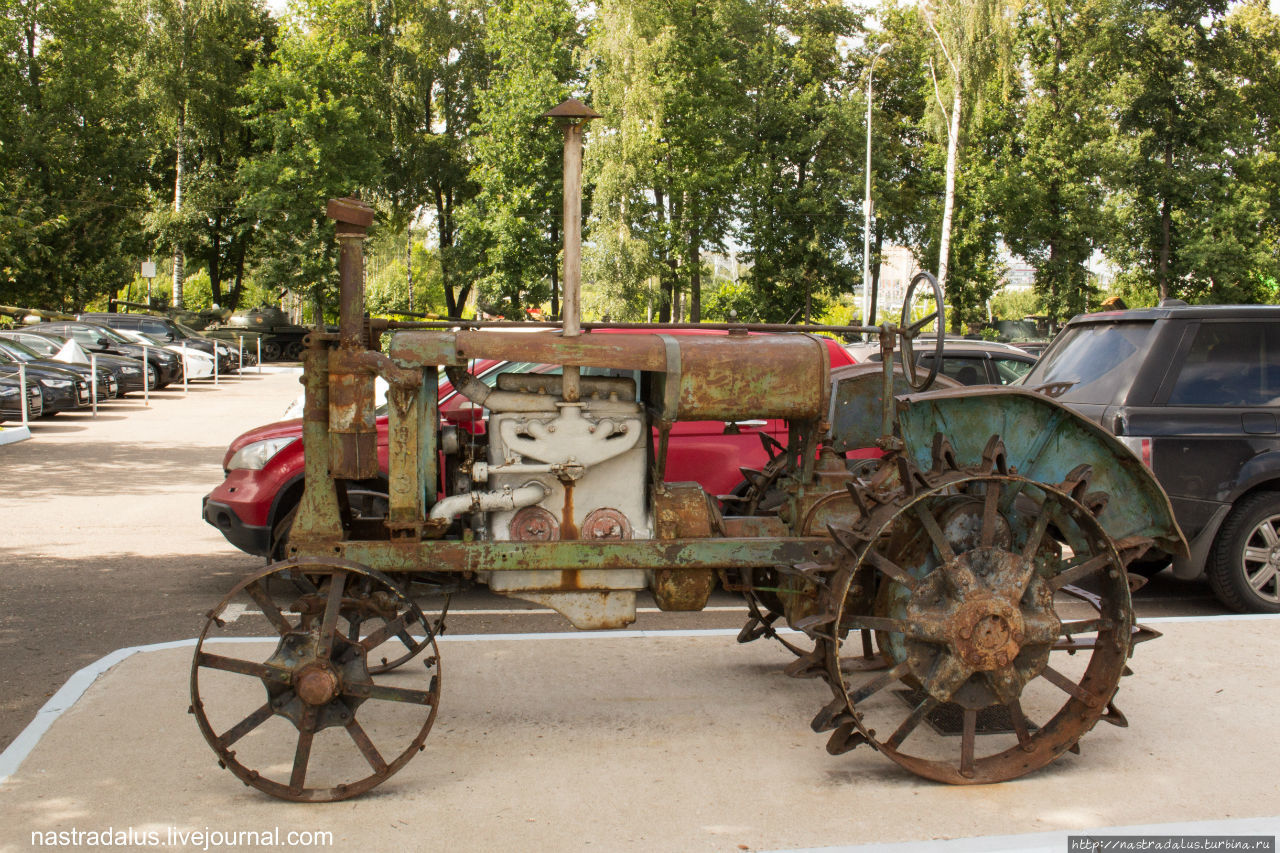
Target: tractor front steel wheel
[(290, 682)]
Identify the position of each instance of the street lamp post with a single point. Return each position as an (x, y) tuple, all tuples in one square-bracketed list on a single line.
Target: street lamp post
[(867, 306)]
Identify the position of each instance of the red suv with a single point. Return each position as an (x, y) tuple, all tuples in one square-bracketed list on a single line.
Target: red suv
[(255, 504)]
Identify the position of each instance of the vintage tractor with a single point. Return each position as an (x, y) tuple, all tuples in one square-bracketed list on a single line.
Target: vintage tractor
[(964, 596)]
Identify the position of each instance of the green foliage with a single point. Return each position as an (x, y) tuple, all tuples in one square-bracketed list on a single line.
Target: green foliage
[(1142, 131), (1016, 304), (514, 220)]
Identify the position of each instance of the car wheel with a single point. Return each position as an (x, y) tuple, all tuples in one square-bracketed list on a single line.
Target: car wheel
[(1244, 568), (366, 504), (280, 534), (152, 376)]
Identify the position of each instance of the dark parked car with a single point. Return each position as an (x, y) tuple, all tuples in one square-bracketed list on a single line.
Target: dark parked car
[(968, 362), (127, 372), (1194, 391), (166, 330), (166, 366), (107, 387), (63, 389), (10, 409)]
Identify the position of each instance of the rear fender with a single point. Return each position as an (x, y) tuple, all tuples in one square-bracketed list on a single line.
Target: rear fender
[(1043, 441)]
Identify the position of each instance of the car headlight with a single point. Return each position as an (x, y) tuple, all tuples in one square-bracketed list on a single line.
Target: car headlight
[(255, 456), (59, 383), (8, 392), (130, 371)]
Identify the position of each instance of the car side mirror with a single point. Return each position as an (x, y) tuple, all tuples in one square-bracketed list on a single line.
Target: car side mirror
[(104, 342), (170, 336)]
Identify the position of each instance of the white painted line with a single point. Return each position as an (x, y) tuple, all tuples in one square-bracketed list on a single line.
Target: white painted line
[(1217, 617), (1056, 842), (10, 435), (235, 610)]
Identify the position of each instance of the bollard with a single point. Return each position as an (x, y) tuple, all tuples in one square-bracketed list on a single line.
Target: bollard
[(146, 372), (259, 355), (93, 381), (215, 365), (185, 372), (22, 393), (241, 362)]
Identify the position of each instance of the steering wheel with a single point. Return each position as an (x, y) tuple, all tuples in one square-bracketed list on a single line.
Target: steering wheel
[(910, 331)]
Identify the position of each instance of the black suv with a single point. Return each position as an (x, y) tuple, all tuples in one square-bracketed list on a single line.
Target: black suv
[(1194, 391), (166, 330)]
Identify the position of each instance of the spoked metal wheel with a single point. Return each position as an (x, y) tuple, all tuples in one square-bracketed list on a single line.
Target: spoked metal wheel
[(986, 681), (292, 701), (369, 609)]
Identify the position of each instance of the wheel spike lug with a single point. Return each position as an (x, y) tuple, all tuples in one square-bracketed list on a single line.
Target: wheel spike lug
[(846, 737), (859, 496), (831, 716)]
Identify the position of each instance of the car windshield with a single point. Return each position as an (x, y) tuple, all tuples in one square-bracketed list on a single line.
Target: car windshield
[(18, 351), (110, 334), (142, 338), (41, 346), (1097, 360)]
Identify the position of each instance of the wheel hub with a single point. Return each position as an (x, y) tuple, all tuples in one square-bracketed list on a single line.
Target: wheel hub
[(988, 612), (988, 633), (317, 684)]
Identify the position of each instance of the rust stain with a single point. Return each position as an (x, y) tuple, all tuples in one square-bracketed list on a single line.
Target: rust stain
[(568, 529)]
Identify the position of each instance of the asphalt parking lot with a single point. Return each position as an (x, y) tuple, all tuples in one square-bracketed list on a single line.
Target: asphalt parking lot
[(668, 737)]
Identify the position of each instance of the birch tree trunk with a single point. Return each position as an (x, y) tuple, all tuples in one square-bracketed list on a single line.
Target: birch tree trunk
[(949, 199)]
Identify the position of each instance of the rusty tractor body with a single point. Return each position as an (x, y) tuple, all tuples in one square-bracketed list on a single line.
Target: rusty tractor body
[(964, 596)]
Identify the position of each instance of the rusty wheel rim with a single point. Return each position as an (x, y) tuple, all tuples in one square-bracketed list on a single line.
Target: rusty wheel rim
[(966, 616), (330, 727)]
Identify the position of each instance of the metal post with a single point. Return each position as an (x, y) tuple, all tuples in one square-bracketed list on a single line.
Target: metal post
[(578, 114), (867, 307), (146, 368), (353, 433), (259, 353), (241, 354), (93, 382), (186, 373), (22, 393), (215, 365)]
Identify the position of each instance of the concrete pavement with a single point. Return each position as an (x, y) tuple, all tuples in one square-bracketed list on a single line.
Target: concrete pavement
[(652, 741), (616, 741)]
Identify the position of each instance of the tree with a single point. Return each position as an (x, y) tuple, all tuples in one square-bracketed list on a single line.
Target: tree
[(71, 153), (1193, 142), (1054, 189), (316, 124), (971, 36), (194, 63), (515, 218), (803, 157)]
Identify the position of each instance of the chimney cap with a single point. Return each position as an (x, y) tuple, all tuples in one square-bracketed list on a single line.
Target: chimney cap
[(350, 211), (571, 108)]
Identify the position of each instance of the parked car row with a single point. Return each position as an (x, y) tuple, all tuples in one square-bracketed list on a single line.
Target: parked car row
[(59, 359)]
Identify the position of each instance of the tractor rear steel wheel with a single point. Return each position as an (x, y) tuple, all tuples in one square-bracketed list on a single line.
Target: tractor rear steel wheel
[(308, 712), (986, 680)]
